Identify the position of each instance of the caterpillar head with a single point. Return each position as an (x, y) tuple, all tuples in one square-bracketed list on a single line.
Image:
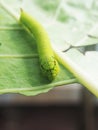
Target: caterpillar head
[(49, 67)]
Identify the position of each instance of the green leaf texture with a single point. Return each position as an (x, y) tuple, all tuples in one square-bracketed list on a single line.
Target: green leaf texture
[(19, 62), (68, 23)]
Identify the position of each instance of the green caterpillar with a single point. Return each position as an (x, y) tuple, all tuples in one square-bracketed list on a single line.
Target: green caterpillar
[(48, 64)]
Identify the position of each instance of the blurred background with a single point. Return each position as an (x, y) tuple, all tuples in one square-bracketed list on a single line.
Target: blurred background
[(69, 107)]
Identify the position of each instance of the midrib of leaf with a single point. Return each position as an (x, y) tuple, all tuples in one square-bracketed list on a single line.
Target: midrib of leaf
[(76, 63)]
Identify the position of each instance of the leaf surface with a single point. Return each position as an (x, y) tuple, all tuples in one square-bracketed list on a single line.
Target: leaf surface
[(20, 71), (19, 62)]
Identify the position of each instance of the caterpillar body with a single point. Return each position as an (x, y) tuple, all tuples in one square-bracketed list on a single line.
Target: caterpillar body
[(48, 63)]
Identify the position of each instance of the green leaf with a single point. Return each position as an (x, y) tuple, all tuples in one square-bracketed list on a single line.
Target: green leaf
[(68, 23), (19, 63)]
